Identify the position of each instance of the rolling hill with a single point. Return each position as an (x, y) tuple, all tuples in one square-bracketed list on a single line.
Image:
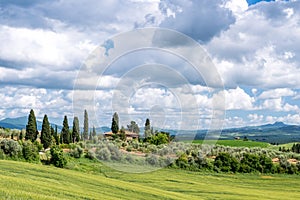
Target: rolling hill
[(34, 181)]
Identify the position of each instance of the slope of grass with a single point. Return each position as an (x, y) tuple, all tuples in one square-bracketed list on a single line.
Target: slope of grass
[(286, 146), (31, 181), (234, 143)]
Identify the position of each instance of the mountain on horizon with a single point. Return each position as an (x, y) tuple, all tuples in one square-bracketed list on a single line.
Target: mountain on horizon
[(21, 122)]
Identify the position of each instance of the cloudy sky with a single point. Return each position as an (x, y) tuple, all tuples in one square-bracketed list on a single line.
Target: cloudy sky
[(47, 46)]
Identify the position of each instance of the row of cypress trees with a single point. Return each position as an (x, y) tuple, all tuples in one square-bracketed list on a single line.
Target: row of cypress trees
[(48, 133)]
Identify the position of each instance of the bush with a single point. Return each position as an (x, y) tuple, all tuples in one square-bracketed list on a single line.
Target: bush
[(30, 152), (76, 152), (11, 148), (2, 155), (103, 154), (58, 158), (90, 154)]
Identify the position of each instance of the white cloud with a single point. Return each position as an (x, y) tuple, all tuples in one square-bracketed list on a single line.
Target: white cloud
[(237, 99), (276, 93)]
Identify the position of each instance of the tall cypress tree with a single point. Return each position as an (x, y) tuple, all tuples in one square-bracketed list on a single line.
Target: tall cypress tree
[(115, 123), (31, 127), (46, 137), (86, 126), (65, 133), (75, 130), (94, 132), (147, 128)]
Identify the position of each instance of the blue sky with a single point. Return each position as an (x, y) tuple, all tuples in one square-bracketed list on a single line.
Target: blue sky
[(253, 45)]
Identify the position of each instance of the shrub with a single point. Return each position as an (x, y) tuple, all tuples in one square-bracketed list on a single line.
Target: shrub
[(30, 152), (152, 160), (2, 155), (11, 148), (103, 154), (58, 158), (90, 154), (76, 152)]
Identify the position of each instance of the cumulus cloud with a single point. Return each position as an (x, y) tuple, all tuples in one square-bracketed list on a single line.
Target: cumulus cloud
[(201, 20), (44, 43)]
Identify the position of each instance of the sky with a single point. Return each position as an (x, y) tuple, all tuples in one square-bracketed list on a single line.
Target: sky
[(46, 48)]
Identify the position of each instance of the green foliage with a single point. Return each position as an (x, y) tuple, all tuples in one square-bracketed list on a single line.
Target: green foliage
[(31, 127), (77, 152), (46, 137), (55, 135), (122, 134), (75, 130), (11, 148), (226, 163), (85, 126), (58, 158), (296, 148), (133, 127), (159, 138), (115, 123), (147, 132), (30, 152), (90, 154), (65, 132), (94, 132)]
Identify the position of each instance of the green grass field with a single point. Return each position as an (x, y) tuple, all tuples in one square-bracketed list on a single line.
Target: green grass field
[(21, 180), (234, 143)]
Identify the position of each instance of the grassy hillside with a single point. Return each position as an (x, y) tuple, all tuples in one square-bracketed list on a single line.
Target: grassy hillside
[(234, 143), (30, 181)]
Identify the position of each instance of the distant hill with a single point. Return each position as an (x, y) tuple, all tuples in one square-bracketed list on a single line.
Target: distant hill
[(271, 133), (20, 123), (278, 132)]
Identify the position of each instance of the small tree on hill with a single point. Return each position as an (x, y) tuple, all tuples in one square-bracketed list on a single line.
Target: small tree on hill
[(31, 127), (75, 130), (46, 138), (65, 133), (86, 126), (115, 123), (147, 128)]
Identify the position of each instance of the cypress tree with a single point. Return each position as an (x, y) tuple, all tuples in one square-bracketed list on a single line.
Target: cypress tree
[(65, 134), (147, 128), (75, 130), (86, 126), (46, 137), (115, 123), (94, 132), (31, 127)]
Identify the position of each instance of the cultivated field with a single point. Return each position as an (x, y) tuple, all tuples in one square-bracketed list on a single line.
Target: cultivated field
[(34, 181), (234, 143)]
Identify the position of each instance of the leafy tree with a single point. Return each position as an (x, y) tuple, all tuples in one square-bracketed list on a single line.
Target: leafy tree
[(31, 127), (46, 137), (65, 133), (75, 130), (58, 158), (133, 127), (115, 123), (86, 126), (147, 128)]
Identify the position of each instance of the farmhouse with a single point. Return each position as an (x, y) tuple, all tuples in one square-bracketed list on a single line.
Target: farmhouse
[(129, 135)]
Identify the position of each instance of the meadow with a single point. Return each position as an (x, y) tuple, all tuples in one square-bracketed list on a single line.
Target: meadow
[(234, 143), (91, 180)]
